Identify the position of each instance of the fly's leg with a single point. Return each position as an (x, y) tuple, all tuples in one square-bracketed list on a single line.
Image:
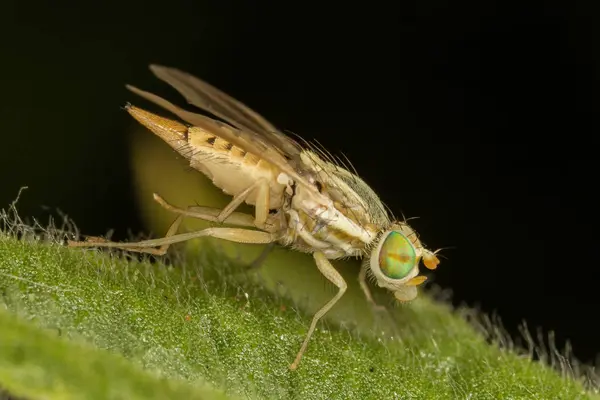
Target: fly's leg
[(205, 213), (210, 214), (262, 256), (226, 215), (362, 280), (149, 246), (262, 203), (100, 242), (330, 273)]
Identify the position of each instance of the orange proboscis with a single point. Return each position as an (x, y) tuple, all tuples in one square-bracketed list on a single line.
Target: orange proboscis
[(416, 281)]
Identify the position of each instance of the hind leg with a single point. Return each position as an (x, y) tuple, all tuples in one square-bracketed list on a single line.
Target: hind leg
[(205, 213), (160, 246)]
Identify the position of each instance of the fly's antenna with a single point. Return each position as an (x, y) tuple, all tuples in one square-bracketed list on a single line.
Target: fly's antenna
[(436, 253), (405, 220)]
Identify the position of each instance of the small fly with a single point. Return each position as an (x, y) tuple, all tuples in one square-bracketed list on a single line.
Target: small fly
[(303, 197)]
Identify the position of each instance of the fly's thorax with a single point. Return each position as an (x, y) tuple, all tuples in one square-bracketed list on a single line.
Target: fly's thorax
[(307, 234), (394, 261), (322, 209), (315, 224), (352, 196)]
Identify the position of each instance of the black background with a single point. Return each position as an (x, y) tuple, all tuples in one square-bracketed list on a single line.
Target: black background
[(479, 118)]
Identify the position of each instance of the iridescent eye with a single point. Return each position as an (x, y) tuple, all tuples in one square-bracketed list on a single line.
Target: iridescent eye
[(397, 256)]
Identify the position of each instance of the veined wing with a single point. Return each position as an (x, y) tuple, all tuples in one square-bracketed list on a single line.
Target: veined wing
[(212, 100)]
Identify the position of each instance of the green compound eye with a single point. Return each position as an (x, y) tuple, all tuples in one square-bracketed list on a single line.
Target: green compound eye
[(397, 256)]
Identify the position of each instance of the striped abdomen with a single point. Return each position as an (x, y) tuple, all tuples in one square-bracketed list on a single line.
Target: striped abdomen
[(230, 168)]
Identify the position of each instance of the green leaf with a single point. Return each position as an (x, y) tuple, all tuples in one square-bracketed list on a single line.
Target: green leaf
[(88, 324)]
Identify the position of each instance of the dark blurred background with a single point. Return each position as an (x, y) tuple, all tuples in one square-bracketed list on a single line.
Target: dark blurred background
[(478, 117)]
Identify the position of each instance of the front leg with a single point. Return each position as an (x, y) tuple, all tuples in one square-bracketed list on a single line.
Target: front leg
[(362, 280), (378, 308), (334, 277)]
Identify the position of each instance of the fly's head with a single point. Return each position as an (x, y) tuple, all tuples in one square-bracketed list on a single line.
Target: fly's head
[(395, 258)]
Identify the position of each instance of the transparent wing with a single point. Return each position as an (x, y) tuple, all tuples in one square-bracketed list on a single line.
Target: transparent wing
[(221, 105)]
